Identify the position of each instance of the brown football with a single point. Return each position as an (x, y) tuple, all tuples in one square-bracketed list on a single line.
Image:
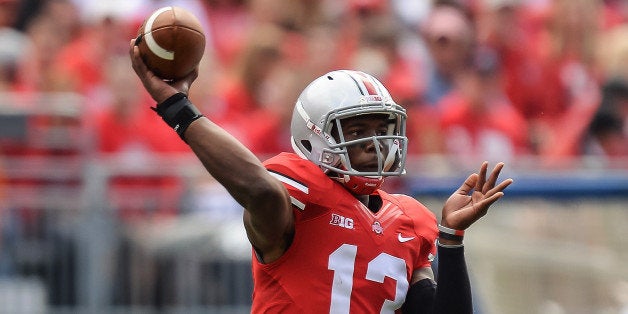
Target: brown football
[(171, 42)]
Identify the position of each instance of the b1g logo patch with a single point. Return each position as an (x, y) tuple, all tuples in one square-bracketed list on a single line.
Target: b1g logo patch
[(341, 221)]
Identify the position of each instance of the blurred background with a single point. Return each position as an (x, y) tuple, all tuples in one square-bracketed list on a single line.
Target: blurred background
[(103, 209)]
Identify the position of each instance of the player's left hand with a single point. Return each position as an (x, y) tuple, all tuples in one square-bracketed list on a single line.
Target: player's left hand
[(472, 200)]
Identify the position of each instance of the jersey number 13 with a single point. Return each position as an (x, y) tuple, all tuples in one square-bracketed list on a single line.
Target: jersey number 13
[(342, 263)]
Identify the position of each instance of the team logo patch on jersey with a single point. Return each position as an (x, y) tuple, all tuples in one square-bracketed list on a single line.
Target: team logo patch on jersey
[(341, 221), (377, 228)]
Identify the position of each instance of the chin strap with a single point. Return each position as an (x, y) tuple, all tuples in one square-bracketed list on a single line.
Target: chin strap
[(392, 155), (360, 185)]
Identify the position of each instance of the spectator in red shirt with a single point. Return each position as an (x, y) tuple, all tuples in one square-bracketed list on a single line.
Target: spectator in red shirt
[(48, 31), (571, 86), (478, 118), (511, 28), (449, 33), (126, 133), (124, 125), (255, 98)]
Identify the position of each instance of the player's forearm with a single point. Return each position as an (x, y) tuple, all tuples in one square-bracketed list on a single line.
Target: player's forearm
[(224, 157), (453, 292), (420, 298), (229, 162)]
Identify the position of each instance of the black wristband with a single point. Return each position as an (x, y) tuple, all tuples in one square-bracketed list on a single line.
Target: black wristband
[(178, 112), (448, 236)]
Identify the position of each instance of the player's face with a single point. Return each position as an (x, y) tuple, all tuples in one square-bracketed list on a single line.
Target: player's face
[(363, 155)]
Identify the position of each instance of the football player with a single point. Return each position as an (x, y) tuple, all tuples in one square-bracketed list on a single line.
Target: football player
[(325, 238)]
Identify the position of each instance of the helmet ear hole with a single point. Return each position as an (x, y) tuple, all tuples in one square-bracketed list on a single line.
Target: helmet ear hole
[(307, 145)]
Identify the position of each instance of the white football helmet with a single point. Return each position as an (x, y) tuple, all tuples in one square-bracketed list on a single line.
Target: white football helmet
[(343, 94)]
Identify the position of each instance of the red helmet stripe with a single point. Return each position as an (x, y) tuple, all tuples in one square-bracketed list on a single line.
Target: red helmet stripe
[(364, 83), (370, 88)]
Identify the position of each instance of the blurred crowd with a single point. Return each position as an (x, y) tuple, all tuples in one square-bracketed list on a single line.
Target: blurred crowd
[(496, 79)]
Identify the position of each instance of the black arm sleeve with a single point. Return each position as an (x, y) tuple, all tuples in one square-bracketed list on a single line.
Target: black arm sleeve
[(420, 297), (453, 294)]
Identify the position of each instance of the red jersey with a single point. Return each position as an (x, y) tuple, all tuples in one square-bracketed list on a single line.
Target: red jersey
[(343, 258)]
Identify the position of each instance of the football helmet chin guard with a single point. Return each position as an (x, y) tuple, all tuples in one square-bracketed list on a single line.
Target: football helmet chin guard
[(344, 94)]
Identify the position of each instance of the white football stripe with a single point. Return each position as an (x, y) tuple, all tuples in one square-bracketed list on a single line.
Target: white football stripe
[(297, 203), (290, 182), (150, 41)]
